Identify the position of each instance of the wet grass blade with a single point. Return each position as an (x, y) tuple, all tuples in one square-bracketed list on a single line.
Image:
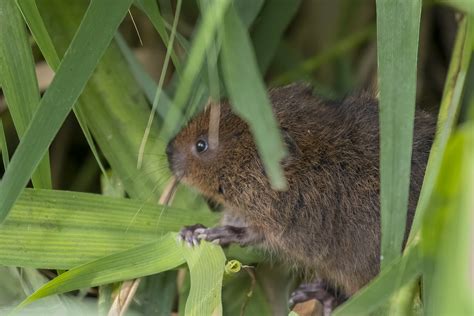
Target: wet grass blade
[(19, 84), (241, 73), (71, 77), (398, 26), (60, 229)]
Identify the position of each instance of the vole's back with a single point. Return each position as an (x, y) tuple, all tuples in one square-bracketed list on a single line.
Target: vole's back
[(330, 215)]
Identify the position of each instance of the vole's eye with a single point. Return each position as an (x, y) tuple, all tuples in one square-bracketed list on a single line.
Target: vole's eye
[(201, 146)]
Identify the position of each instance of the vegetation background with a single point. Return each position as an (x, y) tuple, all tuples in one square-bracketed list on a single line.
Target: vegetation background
[(94, 95)]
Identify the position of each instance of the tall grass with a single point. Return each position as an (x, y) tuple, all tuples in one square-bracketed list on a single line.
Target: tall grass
[(234, 46)]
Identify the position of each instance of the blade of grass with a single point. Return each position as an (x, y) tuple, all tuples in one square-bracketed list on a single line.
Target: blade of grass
[(110, 101), (159, 89), (60, 229), (67, 85), (38, 29), (4, 146), (19, 83), (206, 266), (211, 20), (153, 257), (397, 45), (447, 117), (241, 74), (447, 233)]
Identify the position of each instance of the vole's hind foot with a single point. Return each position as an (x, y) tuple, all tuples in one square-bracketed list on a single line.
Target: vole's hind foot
[(320, 291), (221, 235)]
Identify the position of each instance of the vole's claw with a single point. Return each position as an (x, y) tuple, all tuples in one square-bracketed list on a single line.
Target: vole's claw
[(189, 234), (221, 235)]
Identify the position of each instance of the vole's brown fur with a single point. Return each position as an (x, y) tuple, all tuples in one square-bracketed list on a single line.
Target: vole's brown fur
[(328, 221)]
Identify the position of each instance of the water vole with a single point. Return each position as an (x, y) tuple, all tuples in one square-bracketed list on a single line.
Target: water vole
[(327, 223)]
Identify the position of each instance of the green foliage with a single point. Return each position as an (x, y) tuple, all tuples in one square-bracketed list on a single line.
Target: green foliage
[(102, 240), (398, 26), (73, 73), (20, 88)]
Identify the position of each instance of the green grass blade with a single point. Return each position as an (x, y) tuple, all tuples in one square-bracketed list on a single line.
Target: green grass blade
[(154, 257), (36, 25), (19, 83), (241, 74), (206, 266), (447, 233), (211, 20), (71, 77), (447, 117), (159, 89), (110, 101), (4, 146), (379, 290), (38, 29), (397, 45), (60, 229), (268, 29)]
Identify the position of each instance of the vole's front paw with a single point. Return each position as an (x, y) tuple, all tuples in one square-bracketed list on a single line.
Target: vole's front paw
[(190, 234), (221, 235)]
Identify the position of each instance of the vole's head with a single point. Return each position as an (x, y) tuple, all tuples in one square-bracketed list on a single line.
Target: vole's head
[(218, 171)]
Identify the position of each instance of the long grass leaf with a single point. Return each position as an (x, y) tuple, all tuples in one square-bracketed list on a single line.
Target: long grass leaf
[(447, 233), (71, 77), (110, 101), (38, 30), (59, 229), (211, 20), (19, 83), (206, 266), (398, 26), (159, 89), (154, 257), (447, 117), (241, 73)]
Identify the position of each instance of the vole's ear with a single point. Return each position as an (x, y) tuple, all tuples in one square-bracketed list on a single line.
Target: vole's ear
[(292, 148)]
